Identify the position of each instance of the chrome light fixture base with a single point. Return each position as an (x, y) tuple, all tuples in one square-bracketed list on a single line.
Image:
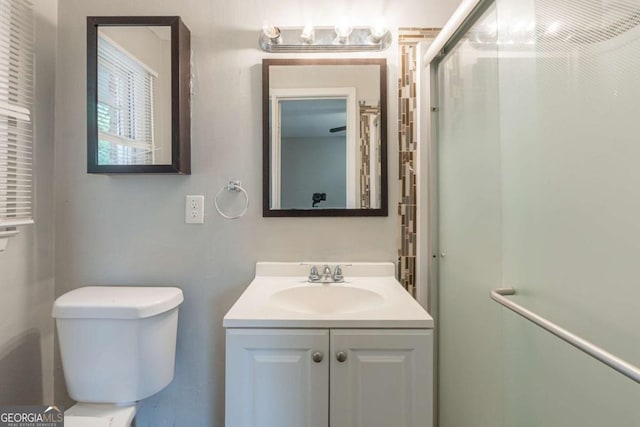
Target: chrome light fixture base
[(324, 39)]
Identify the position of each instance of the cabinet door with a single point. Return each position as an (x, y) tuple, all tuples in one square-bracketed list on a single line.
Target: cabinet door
[(386, 379), (272, 379)]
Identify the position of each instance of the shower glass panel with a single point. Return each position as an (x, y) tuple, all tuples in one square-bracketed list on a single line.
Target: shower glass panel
[(539, 190), (469, 164)]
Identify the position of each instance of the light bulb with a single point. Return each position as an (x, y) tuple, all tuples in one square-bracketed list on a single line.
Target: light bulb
[(270, 31), (378, 30), (343, 31), (307, 34)]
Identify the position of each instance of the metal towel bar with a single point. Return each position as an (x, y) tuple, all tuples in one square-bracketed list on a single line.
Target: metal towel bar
[(625, 368)]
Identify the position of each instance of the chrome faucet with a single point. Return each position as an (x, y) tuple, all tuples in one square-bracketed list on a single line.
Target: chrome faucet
[(327, 276), (326, 273)]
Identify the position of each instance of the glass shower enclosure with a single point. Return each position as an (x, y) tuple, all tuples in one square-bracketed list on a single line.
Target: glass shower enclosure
[(536, 153)]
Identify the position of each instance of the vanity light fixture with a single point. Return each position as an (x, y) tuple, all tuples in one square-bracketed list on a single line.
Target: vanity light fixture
[(340, 38)]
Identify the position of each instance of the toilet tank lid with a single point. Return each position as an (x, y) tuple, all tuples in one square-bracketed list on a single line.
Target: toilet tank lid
[(116, 302)]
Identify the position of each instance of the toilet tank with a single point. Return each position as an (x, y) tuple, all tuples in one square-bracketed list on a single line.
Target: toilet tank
[(117, 343)]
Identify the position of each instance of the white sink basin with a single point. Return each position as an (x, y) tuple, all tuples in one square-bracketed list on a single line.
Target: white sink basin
[(326, 299), (280, 296)]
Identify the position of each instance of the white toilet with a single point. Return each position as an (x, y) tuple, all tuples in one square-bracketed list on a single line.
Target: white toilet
[(118, 346)]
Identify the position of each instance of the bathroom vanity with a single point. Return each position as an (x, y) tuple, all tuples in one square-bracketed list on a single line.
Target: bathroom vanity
[(356, 353)]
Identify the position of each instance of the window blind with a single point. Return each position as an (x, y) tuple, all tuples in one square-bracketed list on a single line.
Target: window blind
[(16, 99), (125, 107)]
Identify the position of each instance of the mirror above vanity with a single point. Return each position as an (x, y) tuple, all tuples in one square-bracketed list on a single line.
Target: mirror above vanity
[(138, 95), (324, 137)]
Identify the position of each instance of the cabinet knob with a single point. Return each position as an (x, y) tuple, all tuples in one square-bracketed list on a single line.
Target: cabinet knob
[(341, 356), (317, 356)]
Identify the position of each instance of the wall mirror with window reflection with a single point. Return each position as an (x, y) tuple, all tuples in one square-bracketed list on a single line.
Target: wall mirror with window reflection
[(324, 137), (138, 71)]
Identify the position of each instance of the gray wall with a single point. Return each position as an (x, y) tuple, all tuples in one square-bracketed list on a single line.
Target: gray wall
[(26, 267), (313, 165), (130, 229), (365, 79)]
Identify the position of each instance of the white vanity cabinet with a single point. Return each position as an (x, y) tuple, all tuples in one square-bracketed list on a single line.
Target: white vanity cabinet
[(386, 379), (329, 377), (272, 379), (358, 353)]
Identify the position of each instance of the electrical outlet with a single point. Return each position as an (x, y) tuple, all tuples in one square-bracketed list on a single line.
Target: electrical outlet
[(194, 210)]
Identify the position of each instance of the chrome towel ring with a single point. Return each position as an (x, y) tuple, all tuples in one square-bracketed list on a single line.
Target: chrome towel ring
[(232, 186)]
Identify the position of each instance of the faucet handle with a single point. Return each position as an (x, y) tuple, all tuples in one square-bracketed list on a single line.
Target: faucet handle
[(337, 273), (313, 274)]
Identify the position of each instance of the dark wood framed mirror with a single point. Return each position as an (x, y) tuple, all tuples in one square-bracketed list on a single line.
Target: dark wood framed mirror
[(138, 95), (324, 124)]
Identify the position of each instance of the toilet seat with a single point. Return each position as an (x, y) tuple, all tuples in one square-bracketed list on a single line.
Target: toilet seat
[(99, 415)]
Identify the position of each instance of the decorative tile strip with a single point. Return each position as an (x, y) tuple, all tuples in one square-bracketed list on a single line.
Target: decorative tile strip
[(408, 38), (366, 113)]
